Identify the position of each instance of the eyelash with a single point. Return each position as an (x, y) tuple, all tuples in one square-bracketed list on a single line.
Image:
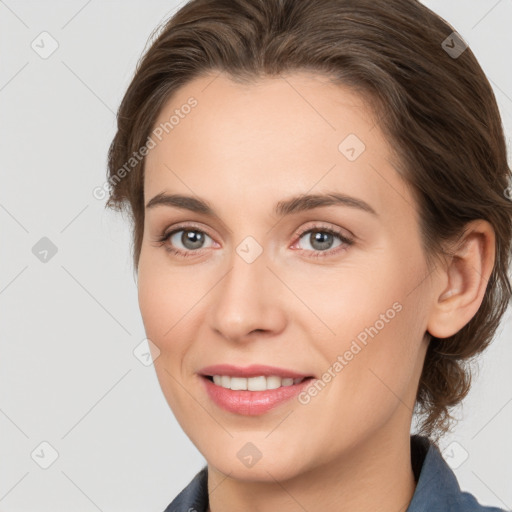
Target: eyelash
[(164, 238)]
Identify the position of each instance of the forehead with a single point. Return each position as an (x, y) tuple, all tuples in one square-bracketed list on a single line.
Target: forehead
[(290, 134), (297, 105)]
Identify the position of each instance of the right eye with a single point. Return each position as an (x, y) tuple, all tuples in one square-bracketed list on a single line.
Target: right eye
[(184, 240)]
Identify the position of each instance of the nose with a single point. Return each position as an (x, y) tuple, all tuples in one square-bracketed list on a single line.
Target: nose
[(248, 302)]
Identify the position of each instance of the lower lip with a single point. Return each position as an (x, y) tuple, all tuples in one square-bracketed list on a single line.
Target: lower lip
[(252, 403)]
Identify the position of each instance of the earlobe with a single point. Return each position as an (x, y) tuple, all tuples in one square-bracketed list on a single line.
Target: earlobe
[(463, 281)]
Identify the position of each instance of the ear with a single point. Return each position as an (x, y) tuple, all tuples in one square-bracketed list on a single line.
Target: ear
[(463, 282)]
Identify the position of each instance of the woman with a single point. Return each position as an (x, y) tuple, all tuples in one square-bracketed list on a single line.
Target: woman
[(322, 232)]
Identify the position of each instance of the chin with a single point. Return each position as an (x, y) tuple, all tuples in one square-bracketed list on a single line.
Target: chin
[(262, 471), (256, 461)]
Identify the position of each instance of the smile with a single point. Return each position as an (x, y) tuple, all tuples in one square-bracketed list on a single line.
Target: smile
[(252, 396), (258, 383)]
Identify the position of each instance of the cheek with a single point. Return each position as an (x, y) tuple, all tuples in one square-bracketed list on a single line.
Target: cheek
[(165, 303), (164, 300), (152, 305), (353, 298), (377, 316)]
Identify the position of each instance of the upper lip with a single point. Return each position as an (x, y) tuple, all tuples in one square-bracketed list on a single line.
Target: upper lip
[(254, 370)]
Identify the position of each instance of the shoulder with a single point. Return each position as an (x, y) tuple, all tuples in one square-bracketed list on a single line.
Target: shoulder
[(470, 504), (437, 487)]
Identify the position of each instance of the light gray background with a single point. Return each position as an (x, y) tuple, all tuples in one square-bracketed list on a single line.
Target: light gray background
[(69, 326)]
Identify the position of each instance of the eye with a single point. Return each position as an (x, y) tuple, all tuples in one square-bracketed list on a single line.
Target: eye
[(322, 241), (184, 241)]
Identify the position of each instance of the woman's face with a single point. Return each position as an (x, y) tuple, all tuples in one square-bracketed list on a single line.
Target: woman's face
[(336, 290)]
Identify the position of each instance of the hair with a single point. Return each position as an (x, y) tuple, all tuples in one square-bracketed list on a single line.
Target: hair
[(437, 111)]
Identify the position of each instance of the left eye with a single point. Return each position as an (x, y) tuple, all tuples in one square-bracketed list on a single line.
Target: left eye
[(322, 239)]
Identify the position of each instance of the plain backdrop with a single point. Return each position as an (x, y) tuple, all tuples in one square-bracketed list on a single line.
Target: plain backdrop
[(73, 394)]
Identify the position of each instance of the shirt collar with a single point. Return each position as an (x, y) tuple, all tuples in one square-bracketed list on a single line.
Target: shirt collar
[(436, 484)]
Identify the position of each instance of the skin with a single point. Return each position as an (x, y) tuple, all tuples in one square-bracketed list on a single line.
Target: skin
[(243, 148)]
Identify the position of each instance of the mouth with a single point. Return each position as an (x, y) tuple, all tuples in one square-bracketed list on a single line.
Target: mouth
[(256, 383), (253, 390)]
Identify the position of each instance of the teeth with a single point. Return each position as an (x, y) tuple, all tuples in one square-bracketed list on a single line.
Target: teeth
[(273, 382), (260, 383), (238, 383)]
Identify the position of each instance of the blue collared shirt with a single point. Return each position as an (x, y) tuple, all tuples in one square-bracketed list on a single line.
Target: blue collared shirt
[(437, 489)]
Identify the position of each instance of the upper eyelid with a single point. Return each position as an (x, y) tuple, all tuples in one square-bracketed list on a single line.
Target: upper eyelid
[(187, 226), (318, 225)]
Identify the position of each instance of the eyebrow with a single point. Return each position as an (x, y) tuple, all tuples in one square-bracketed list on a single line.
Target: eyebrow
[(286, 207)]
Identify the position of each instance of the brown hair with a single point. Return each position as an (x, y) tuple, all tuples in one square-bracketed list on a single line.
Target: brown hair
[(437, 110)]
